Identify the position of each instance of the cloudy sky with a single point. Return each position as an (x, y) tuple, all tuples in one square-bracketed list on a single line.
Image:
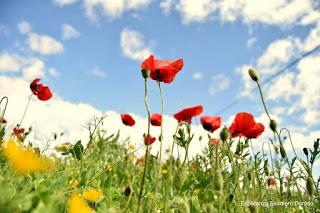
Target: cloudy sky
[(89, 53)]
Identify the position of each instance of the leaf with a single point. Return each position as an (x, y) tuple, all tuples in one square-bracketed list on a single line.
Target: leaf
[(77, 150)]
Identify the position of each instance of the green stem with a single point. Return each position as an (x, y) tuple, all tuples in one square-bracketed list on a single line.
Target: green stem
[(161, 127), (25, 110), (5, 106), (148, 142)]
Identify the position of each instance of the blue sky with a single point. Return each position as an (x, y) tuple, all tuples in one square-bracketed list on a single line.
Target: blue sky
[(210, 48), (97, 61)]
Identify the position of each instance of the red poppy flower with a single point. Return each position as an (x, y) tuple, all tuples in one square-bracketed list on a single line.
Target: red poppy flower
[(18, 133), (211, 123), (127, 120), (255, 132), (42, 92), (162, 70), (187, 114), (156, 119), (245, 125), (148, 139)]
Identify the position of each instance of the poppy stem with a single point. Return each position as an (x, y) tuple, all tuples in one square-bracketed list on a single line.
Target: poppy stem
[(148, 142), (25, 110), (161, 127), (5, 106), (279, 138)]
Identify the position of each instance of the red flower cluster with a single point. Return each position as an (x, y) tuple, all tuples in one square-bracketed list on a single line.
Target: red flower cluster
[(18, 133), (188, 113), (127, 120), (211, 123), (148, 139), (162, 70), (156, 119), (42, 92), (245, 125)]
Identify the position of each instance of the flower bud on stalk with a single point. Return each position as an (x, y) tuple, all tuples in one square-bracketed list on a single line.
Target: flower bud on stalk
[(310, 186), (225, 134), (273, 125), (254, 74), (305, 151), (145, 73), (217, 181)]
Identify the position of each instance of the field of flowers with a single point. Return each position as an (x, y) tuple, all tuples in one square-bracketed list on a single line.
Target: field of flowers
[(107, 176)]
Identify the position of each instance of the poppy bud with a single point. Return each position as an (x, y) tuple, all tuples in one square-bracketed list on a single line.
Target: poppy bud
[(225, 134), (316, 144), (254, 74), (283, 152), (217, 181), (305, 151), (266, 168), (145, 73), (310, 186), (273, 125), (127, 191)]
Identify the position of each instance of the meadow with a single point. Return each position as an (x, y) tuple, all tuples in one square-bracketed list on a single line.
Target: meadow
[(108, 176)]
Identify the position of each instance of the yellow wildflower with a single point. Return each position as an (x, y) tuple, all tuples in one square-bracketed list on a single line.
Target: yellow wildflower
[(24, 160), (77, 205), (109, 168), (92, 195), (164, 171), (73, 182)]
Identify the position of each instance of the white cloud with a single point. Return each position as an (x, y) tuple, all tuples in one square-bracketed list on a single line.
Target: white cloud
[(62, 3), (133, 45), (167, 5), (97, 72), (219, 83), (53, 72), (196, 10), (9, 63), (111, 8), (251, 41), (24, 27), (272, 12), (68, 32), (44, 44), (30, 67), (197, 76), (297, 89), (278, 53)]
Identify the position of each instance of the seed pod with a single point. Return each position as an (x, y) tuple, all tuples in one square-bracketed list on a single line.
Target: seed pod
[(316, 144), (225, 134), (145, 73), (305, 151), (127, 191), (273, 125), (310, 186), (283, 152), (217, 181), (266, 168), (254, 74)]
